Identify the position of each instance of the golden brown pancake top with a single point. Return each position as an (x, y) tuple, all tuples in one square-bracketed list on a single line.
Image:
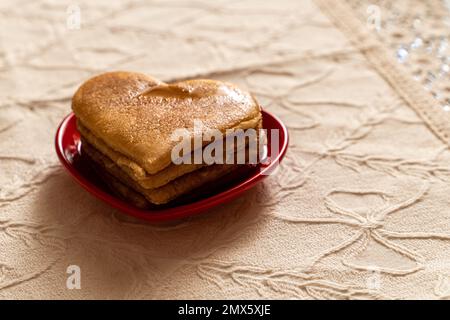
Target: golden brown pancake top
[(136, 114)]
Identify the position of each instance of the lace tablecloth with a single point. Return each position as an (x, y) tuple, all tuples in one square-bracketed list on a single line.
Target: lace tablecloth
[(359, 209)]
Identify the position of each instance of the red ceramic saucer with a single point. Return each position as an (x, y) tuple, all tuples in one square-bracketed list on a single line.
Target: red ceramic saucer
[(68, 144)]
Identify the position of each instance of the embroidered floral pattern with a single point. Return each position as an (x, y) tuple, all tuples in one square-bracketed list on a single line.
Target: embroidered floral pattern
[(357, 210)]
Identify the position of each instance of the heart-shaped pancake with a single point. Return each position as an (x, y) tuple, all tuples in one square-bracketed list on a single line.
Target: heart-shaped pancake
[(135, 114)]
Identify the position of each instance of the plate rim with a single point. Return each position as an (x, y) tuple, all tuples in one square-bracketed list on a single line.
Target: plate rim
[(173, 213)]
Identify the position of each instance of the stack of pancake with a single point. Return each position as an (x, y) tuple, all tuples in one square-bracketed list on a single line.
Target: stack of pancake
[(127, 120)]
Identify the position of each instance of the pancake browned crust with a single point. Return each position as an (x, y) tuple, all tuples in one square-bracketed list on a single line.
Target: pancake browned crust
[(118, 188), (136, 172), (135, 114), (166, 193)]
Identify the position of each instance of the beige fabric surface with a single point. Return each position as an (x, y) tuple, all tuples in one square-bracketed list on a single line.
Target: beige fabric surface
[(359, 209)]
